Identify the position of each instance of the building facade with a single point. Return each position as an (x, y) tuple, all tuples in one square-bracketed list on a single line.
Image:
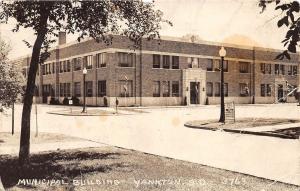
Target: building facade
[(166, 72)]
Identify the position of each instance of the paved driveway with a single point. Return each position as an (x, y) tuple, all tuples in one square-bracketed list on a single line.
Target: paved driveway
[(162, 132)]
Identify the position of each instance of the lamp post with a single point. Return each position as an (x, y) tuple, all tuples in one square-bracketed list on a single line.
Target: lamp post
[(222, 54), (84, 72)]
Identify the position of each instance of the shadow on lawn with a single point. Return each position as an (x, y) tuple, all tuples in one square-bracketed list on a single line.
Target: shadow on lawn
[(62, 165)]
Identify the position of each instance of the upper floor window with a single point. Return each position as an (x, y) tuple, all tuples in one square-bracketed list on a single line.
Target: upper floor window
[(166, 61), (101, 60), (77, 63), (210, 65), (193, 62), (125, 59), (263, 68), (156, 61), (175, 62), (244, 67), (225, 65), (279, 69), (295, 70), (88, 62)]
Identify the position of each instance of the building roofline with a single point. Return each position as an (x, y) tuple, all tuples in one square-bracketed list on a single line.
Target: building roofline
[(170, 38)]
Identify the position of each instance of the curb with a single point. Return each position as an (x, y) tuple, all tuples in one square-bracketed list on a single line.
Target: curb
[(263, 133)]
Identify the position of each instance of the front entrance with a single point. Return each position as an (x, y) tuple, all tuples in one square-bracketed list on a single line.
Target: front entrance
[(280, 93), (194, 92)]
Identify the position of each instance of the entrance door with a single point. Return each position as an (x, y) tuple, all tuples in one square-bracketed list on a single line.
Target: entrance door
[(194, 92), (280, 94)]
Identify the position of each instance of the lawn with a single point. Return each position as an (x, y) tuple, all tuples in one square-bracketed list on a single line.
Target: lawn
[(110, 168), (242, 123)]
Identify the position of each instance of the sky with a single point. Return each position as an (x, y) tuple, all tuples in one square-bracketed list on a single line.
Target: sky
[(229, 21)]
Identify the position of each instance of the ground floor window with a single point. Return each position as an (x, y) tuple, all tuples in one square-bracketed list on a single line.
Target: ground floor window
[(244, 90), (226, 89), (125, 88), (77, 89), (101, 88), (89, 89), (265, 90), (65, 90), (217, 89), (166, 88), (175, 89), (156, 89), (209, 89)]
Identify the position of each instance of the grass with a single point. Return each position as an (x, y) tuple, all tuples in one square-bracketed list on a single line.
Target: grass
[(243, 123), (113, 168)]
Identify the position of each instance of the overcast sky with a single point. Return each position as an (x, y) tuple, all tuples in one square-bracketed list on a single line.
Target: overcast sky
[(230, 21)]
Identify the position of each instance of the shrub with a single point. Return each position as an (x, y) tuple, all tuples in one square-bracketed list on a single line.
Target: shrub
[(54, 101), (76, 101), (66, 101), (105, 101)]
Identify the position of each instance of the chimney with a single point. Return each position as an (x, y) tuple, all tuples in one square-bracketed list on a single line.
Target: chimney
[(62, 38)]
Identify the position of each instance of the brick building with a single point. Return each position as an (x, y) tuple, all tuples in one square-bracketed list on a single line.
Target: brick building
[(172, 72)]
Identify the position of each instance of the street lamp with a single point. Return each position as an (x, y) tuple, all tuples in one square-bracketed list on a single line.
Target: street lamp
[(222, 54), (84, 72)]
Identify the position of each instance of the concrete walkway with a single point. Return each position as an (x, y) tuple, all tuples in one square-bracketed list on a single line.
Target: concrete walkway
[(162, 132), (270, 128)]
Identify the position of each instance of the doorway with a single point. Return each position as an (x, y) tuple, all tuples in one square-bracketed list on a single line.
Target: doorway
[(194, 92)]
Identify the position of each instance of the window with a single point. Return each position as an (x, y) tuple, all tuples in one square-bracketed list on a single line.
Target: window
[(226, 89), (217, 89), (295, 70), (277, 69), (265, 90), (65, 90), (244, 67), (225, 66), (209, 89), (125, 88), (175, 62), (193, 62), (53, 68), (43, 70), (268, 69), (262, 90), (156, 89), (269, 90), (101, 60), (166, 61), (88, 62), (290, 70), (77, 63), (125, 59), (61, 67), (77, 89), (263, 68), (175, 89), (68, 66), (210, 65), (244, 90), (281, 69), (64, 66), (156, 61), (89, 88), (166, 88), (101, 88)]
